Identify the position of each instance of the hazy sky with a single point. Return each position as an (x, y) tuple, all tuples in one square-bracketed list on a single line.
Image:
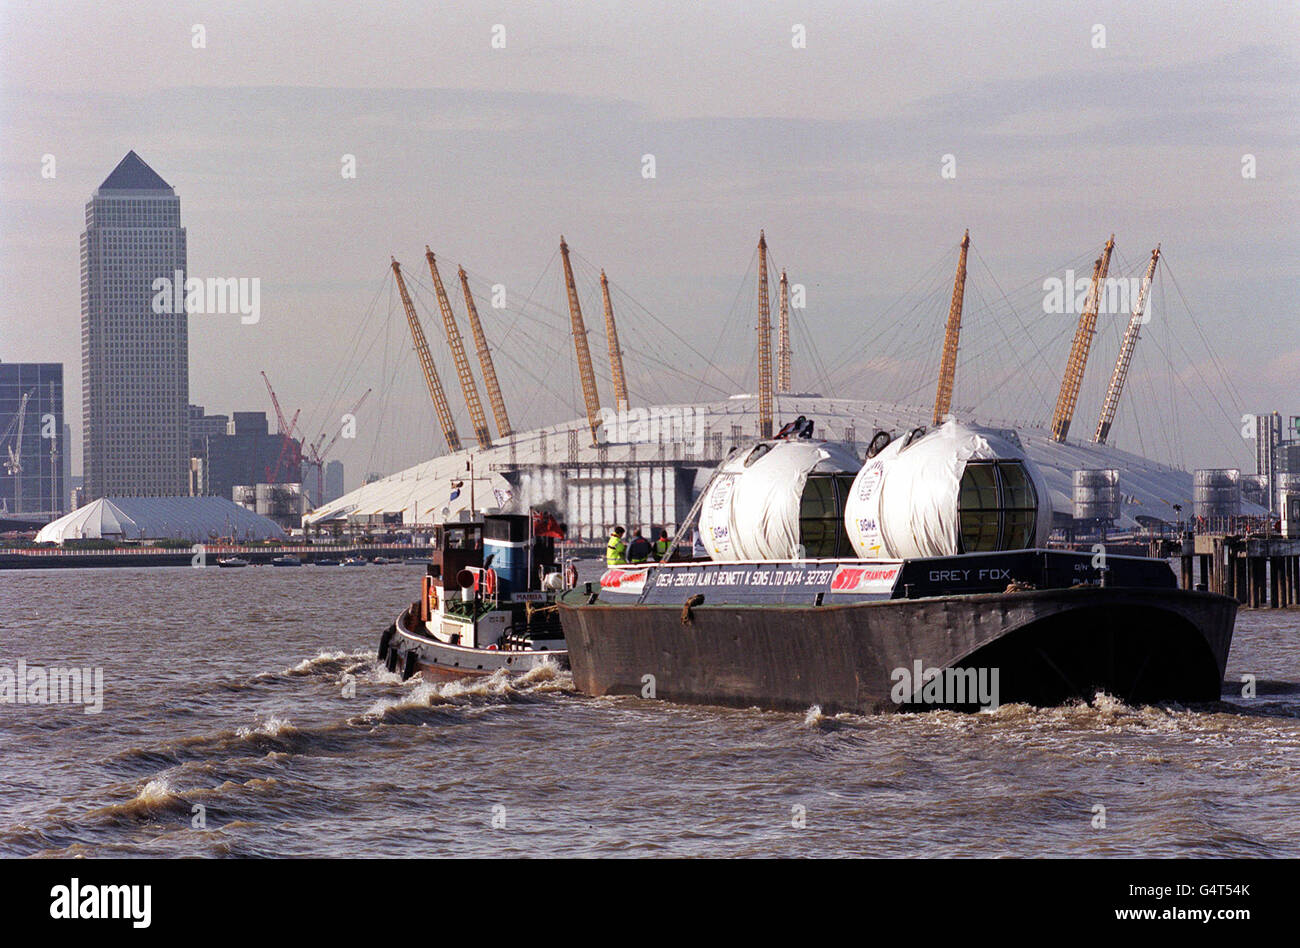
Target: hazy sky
[(489, 154)]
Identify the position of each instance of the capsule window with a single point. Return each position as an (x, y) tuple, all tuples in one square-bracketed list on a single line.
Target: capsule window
[(821, 515), (998, 507)]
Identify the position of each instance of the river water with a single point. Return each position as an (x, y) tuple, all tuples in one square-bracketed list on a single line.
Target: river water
[(243, 715)]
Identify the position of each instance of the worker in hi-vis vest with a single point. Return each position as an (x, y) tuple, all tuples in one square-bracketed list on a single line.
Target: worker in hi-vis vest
[(615, 549), (661, 545)]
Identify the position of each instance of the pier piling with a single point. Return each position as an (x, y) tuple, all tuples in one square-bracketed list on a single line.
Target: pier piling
[(1259, 572)]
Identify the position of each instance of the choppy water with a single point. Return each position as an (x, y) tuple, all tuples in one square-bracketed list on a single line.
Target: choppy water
[(226, 693)]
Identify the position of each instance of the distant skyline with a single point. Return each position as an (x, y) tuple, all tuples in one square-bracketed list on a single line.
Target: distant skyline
[(488, 154)]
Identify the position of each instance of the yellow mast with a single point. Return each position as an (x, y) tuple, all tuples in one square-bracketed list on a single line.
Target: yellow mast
[(1125, 357), (426, 364), (765, 409), (485, 361), (948, 363), (476, 416), (1078, 361), (615, 353), (589, 393), (783, 384)]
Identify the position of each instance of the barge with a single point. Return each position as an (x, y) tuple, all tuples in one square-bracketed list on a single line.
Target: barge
[(918, 580)]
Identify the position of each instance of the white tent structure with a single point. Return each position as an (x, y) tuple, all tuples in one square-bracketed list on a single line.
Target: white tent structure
[(158, 518), (423, 493)]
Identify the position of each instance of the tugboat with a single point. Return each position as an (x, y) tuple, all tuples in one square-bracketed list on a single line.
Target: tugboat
[(487, 601), (915, 581), (232, 562)]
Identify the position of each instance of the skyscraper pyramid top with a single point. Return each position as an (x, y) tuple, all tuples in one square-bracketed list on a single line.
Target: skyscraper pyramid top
[(132, 174)]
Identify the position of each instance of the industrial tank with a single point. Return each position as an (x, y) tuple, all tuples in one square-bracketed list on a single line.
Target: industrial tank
[(779, 500), (245, 495), (1096, 494), (1254, 489), (957, 489), (1216, 492)]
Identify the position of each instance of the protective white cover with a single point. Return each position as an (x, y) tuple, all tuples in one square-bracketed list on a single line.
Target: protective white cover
[(904, 502), (752, 513)]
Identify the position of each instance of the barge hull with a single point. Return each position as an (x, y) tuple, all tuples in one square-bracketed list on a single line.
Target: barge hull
[(1048, 646)]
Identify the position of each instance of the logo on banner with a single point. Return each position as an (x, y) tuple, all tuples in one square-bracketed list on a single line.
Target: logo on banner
[(624, 580), (864, 579)]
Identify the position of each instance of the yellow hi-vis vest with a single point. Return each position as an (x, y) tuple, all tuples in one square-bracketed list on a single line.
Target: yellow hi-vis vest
[(661, 547), (614, 551)]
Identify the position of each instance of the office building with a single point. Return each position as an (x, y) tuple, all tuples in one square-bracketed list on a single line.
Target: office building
[(134, 354)]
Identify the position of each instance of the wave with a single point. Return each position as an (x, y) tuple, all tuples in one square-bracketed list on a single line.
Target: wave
[(327, 662), (275, 736), (163, 795), (813, 717), (267, 740), (499, 686), (1105, 714), (272, 727)]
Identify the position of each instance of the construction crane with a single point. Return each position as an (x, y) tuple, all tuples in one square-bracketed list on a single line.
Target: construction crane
[(783, 383), (476, 416), (765, 408), (1125, 357), (290, 456), (1078, 361), (615, 353), (318, 454), (426, 364), (485, 361), (948, 363), (14, 452), (288, 446), (589, 393)]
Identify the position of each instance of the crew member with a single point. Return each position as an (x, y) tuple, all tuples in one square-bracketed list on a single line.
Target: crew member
[(661, 545), (616, 549), (638, 551)]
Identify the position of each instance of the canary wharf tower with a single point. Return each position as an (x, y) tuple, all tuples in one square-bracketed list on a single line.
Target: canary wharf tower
[(134, 361)]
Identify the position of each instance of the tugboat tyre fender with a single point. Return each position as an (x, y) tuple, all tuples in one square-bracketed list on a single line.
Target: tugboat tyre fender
[(384, 639), (696, 600), (409, 666)]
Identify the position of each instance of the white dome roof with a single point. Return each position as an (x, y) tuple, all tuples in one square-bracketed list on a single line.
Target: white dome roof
[(156, 518)]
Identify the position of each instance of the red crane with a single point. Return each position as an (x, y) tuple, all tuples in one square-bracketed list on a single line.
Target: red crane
[(318, 454), (290, 457)]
